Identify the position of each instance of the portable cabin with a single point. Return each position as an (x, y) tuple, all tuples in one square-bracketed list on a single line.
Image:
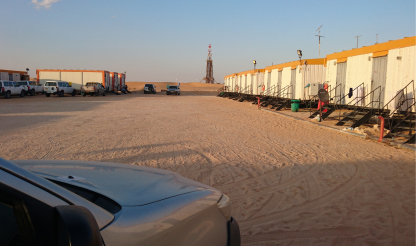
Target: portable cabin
[(12, 75), (77, 78), (293, 79), (122, 80), (114, 81), (382, 70)]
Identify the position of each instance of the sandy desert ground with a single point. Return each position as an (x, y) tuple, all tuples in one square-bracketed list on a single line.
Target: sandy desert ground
[(291, 183)]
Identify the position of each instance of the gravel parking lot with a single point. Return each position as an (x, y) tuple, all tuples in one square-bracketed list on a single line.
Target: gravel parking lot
[(291, 183)]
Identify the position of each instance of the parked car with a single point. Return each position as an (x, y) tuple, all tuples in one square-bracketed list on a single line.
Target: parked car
[(132, 205), (31, 87), (9, 88), (149, 88), (58, 88), (173, 90), (93, 88)]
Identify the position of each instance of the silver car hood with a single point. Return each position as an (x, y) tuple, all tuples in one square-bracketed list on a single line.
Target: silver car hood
[(126, 184)]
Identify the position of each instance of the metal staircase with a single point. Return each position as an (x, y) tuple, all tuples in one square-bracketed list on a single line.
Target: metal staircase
[(360, 115), (282, 100), (332, 107), (401, 123)]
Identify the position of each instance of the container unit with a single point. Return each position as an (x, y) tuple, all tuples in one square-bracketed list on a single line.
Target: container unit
[(296, 77), (12, 75), (77, 78), (122, 80), (388, 65), (114, 81)]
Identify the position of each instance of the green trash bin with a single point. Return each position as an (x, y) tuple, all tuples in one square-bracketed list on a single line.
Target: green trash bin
[(295, 105)]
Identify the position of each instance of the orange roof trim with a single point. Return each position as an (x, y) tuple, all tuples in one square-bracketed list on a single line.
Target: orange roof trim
[(394, 44), (319, 61)]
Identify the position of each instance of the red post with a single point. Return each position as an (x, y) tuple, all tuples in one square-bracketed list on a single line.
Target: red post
[(381, 128), (258, 103)]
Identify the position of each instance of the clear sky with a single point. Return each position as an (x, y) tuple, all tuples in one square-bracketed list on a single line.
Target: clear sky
[(168, 40)]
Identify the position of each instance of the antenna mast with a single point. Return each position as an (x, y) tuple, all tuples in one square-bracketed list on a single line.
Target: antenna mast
[(319, 36), (357, 39)]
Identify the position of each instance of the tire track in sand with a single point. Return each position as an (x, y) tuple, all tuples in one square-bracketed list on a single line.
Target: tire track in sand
[(394, 209), (309, 205), (344, 231), (290, 181), (53, 150)]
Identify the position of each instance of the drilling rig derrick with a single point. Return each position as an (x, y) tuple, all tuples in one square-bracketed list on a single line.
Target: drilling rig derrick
[(209, 78)]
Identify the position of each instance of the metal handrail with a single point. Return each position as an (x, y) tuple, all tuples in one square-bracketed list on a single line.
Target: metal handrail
[(372, 101), (362, 84), (266, 92), (282, 90), (401, 95)]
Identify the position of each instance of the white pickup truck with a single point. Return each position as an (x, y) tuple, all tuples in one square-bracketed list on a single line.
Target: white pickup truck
[(31, 87), (8, 88), (93, 88), (58, 88)]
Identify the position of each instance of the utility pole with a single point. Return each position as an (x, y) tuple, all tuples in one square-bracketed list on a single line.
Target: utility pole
[(319, 36), (357, 39), (376, 38)]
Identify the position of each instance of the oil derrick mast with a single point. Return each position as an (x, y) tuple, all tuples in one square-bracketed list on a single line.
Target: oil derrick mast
[(209, 78)]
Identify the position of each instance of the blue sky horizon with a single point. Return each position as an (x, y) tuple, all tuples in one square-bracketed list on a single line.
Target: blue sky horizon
[(167, 41)]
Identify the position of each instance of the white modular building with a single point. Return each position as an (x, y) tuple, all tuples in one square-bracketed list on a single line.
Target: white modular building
[(294, 79), (380, 70), (114, 82), (12, 75), (122, 80), (77, 78)]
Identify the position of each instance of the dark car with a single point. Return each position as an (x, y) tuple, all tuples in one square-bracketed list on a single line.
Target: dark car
[(149, 88), (175, 90)]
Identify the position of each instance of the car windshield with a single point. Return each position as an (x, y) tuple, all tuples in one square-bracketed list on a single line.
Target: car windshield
[(173, 87), (21, 83), (90, 84), (50, 84), (148, 85)]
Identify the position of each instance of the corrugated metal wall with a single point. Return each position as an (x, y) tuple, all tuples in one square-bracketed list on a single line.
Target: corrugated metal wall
[(331, 73), (400, 71), (379, 79), (4, 76), (286, 78), (293, 83), (49, 75), (340, 83), (74, 77), (359, 70)]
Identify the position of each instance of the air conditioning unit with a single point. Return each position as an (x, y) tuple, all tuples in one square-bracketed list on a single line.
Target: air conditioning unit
[(313, 89)]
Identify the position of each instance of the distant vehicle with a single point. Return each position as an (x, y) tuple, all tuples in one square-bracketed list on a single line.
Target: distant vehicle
[(9, 88), (93, 88), (58, 88), (31, 87), (149, 88), (173, 90), (130, 205)]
